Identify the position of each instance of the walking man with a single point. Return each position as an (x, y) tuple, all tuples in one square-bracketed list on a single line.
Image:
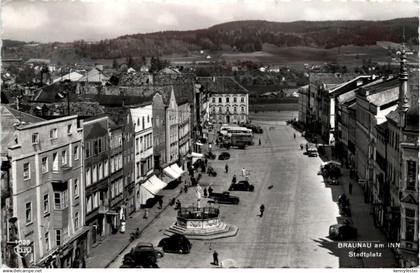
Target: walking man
[(259, 141), (262, 210), (215, 258), (160, 203), (234, 179), (350, 187), (226, 168)]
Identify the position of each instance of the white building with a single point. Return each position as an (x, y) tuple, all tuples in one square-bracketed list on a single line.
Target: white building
[(228, 100), (141, 117), (172, 149)]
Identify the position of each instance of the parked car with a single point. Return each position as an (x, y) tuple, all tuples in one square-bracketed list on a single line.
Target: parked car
[(223, 198), (176, 243), (210, 156), (142, 255), (342, 232), (241, 186), (224, 156), (255, 128)]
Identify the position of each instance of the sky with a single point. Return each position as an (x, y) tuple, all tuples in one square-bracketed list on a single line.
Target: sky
[(64, 21)]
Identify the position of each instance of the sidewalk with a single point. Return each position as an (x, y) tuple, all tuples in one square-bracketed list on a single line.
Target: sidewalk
[(363, 220), (108, 250)]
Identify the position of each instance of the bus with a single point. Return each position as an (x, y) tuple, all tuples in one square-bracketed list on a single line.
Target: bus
[(225, 129)]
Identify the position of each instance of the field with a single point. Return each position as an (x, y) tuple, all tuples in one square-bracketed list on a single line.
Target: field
[(273, 115), (267, 107), (295, 57)]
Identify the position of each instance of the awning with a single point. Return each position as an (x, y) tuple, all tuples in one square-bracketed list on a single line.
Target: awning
[(150, 188), (198, 155), (171, 173), (177, 169)]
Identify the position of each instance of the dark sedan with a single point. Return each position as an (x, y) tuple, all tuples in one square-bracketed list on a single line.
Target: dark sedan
[(241, 186), (143, 255), (223, 198), (176, 243), (224, 156), (342, 232)]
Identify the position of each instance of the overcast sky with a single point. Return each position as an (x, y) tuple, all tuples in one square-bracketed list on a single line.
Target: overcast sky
[(53, 20)]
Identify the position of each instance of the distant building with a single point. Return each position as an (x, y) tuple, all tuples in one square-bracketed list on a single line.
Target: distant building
[(228, 100), (303, 102)]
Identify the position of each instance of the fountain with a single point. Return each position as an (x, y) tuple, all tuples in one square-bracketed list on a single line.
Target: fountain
[(201, 224)]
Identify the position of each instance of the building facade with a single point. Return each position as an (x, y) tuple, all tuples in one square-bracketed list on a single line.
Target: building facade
[(96, 135), (159, 132), (184, 132), (172, 129), (48, 203), (143, 148)]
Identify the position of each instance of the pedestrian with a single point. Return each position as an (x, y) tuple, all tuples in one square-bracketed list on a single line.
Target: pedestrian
[(215, 258), (243, 172), (205, 192), (146, 214), (185, 188), (234, 179), (160, 203), (259, 141), (205, 161), (210, 191), (350, 187), (262, 210), (178, 204), (209, 148), (226, 168), (294, 135), (301, 146)]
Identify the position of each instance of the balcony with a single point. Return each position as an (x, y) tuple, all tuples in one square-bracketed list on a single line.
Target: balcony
[(59, 175)]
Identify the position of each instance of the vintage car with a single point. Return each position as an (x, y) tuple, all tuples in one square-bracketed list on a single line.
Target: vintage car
[(142, 255), (176, 243), (241, 186), (342, 232), (223, 198)]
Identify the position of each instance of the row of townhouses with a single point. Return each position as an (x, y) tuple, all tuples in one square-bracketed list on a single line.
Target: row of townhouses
[(372, 125), (69, 182)]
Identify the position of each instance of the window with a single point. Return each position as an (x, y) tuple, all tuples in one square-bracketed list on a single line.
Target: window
[(148, 119), (411, 174), (35, 138), (220, 109), (242, 109), (55, 162), (234, 109), (242, 99), (89, 203), (410, 213), (64, 157), (76, 188), (137, 146), (76, 220), (106, 168), (409, 229), (94, 174), (87, 148), (227, 99), (234, 99), (100, 170), (138, 121), (214, 100), (76, 152), (53, 133), (88, 182), (138, 169), (44, 164), (60, 200), (46, 203), (95, 147), (28, 214), (69, 129), (47, 240), (100, 145), (26, 171), (220, 100), (142, 120), (58, 237), (227, 109)]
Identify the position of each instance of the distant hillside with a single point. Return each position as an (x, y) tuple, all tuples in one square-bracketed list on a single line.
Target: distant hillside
[(243, 36)]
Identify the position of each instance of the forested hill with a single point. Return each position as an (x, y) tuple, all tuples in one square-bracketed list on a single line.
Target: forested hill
[(244, 36)]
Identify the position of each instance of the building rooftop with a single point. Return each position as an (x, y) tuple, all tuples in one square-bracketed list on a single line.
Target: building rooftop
[(222, 85), (94, 75), (10, 118), (331, 78), (384, 97), (56, 92)]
